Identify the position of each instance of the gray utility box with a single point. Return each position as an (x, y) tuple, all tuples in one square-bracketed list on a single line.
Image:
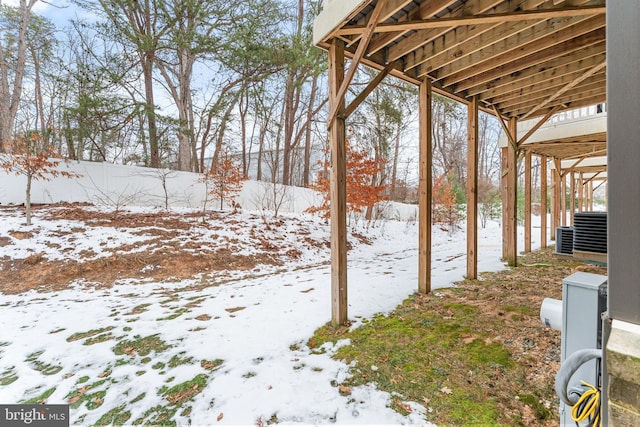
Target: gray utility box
[(584, 299)]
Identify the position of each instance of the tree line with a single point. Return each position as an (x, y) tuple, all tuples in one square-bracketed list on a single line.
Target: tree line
[(179, 84)]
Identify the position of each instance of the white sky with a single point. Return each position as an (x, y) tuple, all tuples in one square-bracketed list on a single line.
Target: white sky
[(58, 11)]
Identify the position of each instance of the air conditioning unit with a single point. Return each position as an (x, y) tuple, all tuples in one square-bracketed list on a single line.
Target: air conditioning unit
[(590, 234), (564, 240), (579, 317)]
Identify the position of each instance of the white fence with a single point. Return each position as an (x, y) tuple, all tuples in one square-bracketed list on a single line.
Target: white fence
[(119, 186)]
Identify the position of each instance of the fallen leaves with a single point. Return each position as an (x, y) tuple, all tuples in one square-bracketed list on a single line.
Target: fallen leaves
[(220, 416), (344, 390), (468, 339), (78, 394), (446, 390), (405, 407)]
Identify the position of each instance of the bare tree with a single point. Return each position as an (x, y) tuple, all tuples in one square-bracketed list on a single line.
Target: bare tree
[(34, 159), (13, 60)]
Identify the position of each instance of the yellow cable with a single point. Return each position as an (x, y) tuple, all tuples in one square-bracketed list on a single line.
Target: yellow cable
[(588, 406)]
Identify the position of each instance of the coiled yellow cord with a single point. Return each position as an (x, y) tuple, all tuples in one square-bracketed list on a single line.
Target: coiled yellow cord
[(588, 406)]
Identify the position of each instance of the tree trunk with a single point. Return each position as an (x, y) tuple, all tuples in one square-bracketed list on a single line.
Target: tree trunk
[(39, 99), (27, 199), (289, 119), (394, 168), (307, 138), (10, 98), (150, 112), (243, 106)]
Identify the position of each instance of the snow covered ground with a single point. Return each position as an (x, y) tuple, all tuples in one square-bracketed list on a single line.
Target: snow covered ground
[(232, 354)]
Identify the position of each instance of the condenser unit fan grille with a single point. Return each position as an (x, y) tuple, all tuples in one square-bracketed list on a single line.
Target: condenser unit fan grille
[(564, 240), (590, 233)]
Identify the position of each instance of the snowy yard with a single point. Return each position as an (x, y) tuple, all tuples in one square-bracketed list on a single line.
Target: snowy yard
[(224, 346)]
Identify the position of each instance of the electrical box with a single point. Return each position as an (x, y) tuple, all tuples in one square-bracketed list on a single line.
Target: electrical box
[(584, 299)]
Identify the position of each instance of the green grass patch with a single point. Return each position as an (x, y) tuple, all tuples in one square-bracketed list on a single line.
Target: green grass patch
[(176, 360), (466, 353), (417, 355), (142, 346), (541, 411), (82, 395), (177, 313), (138, 398), (138, 309), (9, 376), (44, 368), (98, 339), (211, 365), (183, 392), (115, 417), (82, 335), (40, 399), (195, 302), (160, 415)]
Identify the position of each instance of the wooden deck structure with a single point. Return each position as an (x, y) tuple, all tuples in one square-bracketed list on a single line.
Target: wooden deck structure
[(517, 59)]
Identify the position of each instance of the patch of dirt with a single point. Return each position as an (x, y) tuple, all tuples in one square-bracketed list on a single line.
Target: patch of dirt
[(20, 235), (165, 256), (38, 273)]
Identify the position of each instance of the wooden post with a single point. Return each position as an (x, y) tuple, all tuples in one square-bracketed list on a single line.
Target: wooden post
[(580, 192), (557, 191), (591, 196), (338, 192), (472, 189), (563, 198), (512, 194), (503, 189), (554, 205), (572, 202), (543, 202), (424, 188), (527, 202)]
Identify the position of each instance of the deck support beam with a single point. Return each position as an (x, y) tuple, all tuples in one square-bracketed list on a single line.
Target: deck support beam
[(527, 201), (563, 198), (572, 202), (472, 189), (554, 204), (425, 187), (503, 197), (543, 201), (558, 193), (338, 190), (581, 192), (512, 196), (357, 58)]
